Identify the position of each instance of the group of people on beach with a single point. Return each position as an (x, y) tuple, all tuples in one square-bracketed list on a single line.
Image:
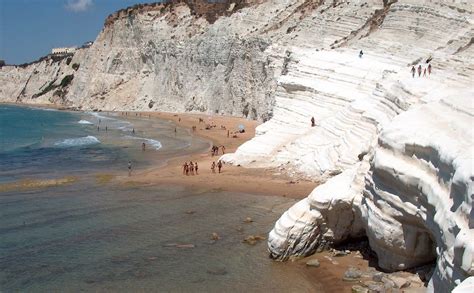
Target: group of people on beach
[(218, 165), (190, 168), (420, 69), (215, 150)]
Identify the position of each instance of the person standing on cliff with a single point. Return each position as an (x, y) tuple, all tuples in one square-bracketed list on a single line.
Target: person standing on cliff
[(413, 71)]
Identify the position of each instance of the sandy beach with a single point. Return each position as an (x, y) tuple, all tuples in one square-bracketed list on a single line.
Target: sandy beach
[(267, 182), (255, 181), (232, 178)]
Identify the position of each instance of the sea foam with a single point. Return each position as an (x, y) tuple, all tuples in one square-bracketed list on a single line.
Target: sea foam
[(85, 122), (79, 141), (154, 143)]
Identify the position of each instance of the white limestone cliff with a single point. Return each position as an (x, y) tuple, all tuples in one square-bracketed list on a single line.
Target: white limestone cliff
[(395, 151), (412, 210), (417, 202), (46, 81)]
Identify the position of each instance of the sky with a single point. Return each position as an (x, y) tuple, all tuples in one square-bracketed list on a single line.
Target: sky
[(29, 29)]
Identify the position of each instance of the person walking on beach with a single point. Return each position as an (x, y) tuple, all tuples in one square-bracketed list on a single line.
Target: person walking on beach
[(228, 132), (413, 70), (361, 54), (213, 167), (196, 168), (133, 130), (419, 70), (143, 146), (106, 128), (429, 69), (219, 165), (223, 149), (424, 71), (129, 168)]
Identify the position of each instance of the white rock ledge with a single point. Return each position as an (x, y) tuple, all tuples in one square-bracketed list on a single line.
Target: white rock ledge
[(414, 203)]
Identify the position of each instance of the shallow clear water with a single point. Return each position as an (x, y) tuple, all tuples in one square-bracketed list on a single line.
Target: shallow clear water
[(39, 142), (110, 237)]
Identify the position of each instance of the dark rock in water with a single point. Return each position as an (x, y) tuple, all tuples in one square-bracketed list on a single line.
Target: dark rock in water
[(248, 220), (253, 239), (352, 274), (313, 263)]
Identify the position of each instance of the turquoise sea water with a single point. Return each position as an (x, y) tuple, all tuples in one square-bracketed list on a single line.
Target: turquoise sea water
[(43, 142), (113, 238)]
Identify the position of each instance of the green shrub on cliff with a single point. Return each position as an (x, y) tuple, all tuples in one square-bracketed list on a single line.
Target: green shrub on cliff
[(67, 80)]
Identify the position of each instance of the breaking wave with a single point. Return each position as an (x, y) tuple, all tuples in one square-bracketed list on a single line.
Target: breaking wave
[(154, 143), (80, 141), (85, 122)]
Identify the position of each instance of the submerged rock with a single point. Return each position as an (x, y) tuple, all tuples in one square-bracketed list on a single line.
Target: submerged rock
[(253, 239)]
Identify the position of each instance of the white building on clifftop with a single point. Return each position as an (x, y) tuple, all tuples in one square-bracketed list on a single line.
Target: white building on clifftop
[(64, 50)]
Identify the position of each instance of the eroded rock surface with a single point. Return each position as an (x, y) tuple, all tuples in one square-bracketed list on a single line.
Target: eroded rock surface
[(396, 151)]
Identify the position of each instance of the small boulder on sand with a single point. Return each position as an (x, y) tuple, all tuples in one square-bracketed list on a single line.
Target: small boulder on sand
[(313, 263), (352, 274), (359, 289)]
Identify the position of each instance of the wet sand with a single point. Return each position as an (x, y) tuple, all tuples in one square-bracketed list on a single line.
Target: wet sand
[(232, 178)]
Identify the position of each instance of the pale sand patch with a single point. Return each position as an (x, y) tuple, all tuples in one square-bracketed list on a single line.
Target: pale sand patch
[(232, 178)]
